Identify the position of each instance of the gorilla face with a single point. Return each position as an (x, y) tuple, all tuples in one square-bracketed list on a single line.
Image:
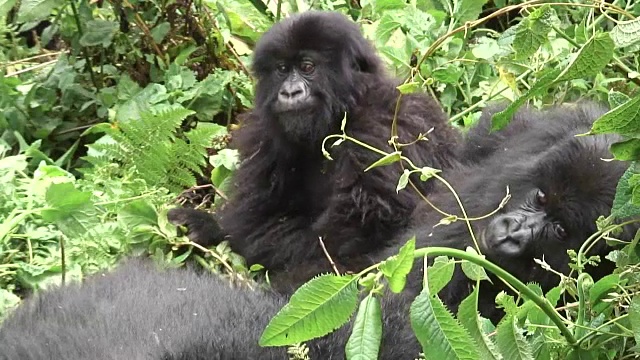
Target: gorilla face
[(557, 210), (308, 69)]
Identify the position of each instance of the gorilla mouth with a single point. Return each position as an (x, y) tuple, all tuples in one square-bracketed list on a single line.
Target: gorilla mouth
[(505, 245), (306, 105)]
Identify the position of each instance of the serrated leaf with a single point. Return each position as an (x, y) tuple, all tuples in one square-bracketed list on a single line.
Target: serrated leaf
[(591, 58), (624, 120), (533, 31), (364, 342), (602, 287), (98, 32), (626, 33), (398, 267), (70, 209), (317, 308), (404, 180), (511, 341), (439, 334), (385, 160), (628, 150), (36, 10), (440, 273), (623, 205), (160, 31), (469, 318)]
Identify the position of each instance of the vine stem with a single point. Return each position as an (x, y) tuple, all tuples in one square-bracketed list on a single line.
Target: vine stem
[(89, 64)]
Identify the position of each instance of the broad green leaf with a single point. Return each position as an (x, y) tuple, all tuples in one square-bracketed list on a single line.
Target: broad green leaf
[(624, 120), (634, 317), (627, 150), (229, 158), (467, 10), (600, 289), (383, 5), (473, 271), (448, 74), (364, 342), (440, 335), (469, 318), (385, 160), (404, 180), (511, 341), (623, 205), (532, 32), (440, 273), (70, 209), (591, 58), (5, 6), (486, 48), (36, 10), (317, 308), (389, 23), (138, 212), (626, 33), (398, 267), (98, 32)]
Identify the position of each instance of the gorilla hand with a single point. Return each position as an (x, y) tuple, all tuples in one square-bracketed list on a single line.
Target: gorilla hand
[(202, 227)]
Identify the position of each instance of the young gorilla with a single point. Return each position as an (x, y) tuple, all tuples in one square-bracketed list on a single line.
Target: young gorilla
[(559, 185), (138, 312), (311, 69)]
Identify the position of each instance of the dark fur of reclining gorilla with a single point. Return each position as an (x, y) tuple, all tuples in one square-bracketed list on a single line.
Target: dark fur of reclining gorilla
[(139, 312), (559, 185)]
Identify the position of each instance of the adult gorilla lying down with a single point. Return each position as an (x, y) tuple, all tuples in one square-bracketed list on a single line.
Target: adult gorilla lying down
[(558, 191), (558, 183), (312, 69)]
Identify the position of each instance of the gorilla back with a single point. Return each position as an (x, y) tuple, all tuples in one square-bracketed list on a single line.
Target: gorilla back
[(312, 70), (138, 312)]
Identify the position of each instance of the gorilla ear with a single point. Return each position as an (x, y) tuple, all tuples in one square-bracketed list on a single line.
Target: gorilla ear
[(364, 59)]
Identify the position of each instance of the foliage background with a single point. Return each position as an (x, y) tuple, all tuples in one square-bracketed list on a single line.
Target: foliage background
[(109, 109)]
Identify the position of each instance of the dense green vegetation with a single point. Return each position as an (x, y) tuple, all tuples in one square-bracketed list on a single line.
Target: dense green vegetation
[(109, 109)]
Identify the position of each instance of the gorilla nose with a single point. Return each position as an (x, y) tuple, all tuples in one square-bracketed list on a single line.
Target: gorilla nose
[(292, 93)]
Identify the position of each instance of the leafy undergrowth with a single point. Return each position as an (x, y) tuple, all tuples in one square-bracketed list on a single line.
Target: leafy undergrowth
[(108, 110)]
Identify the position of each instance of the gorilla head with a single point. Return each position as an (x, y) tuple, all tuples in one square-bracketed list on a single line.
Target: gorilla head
[(314, 60)]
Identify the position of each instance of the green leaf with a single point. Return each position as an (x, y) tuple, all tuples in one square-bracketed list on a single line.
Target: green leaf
[(628, 150), (36, 10), (440, 335), (398, 267), (623, 204), (160, 31), (616, 98), (5, 7), (486, 49), (409, 88), (473, 271), (385, 160), (626, 33), (404, 180), (602, 287), (532, 32), (502, 118), (317, 308), (448, 74), (511, 341), (98, 32), (467, 10), (634, 317), (70, 209), (591, 58), (440, 273), (469, 317), (624, 120), (136, 213), (364, 342)]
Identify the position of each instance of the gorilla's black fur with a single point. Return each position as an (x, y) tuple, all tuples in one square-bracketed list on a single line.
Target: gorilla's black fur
[(311, 69), (559, 185), (139, 312)]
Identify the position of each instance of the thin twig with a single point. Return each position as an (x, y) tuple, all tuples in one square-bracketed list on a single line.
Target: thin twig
[(33, 58), (326, 253), (31, 68)]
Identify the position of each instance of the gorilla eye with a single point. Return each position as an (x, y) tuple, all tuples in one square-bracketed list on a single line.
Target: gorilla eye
[(307, 67), (559, 231), (541, 198), (282, 68)]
